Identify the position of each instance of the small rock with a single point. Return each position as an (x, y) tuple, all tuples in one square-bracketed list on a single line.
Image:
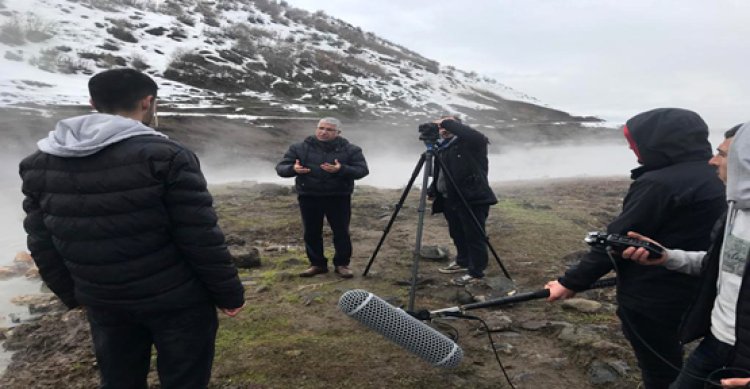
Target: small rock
[(557, 363), (497, 321), (600, 373), (293, 353), (435, 253), (245, 257), (35, 299), (579, 336), (534, 325), (14, 318), (310, 298), (277, 248), (32, 273), (22, 257), (7, 272), (582, 305), (621, 367), (234, 240)]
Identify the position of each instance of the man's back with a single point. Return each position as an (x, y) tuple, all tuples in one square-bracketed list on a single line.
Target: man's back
[(132, 224)]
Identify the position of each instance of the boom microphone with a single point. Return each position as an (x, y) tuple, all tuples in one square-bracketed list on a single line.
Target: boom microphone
[(402, 329)]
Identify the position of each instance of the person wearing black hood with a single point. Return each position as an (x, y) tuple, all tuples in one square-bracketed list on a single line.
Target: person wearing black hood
[(718, 314), (325, 166), (676, 197)]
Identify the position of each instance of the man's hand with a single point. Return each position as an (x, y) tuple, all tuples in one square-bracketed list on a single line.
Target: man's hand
[(640, 255), (331, 168), (232, 312), (299, 169), (558, 292), (728, 383)]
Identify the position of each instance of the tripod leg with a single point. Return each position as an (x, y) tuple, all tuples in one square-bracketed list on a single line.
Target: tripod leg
[(387, 228), (477, 224), (428, 156)]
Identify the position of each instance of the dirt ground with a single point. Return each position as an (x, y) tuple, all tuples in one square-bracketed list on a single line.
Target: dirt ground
[(292, 335)]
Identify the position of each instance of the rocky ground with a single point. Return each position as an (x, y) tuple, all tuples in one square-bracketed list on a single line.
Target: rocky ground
[(292, 335)]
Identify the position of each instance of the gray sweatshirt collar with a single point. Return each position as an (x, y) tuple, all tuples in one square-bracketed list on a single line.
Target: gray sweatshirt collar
[(81, 136)]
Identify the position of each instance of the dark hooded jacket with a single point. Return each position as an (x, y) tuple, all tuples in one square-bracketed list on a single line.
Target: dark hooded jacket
[(675, 198), (465, 158), (125, 224), (312, 153)]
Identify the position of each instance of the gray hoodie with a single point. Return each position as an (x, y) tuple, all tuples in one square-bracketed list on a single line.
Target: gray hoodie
[(736, 246), (81, 136)]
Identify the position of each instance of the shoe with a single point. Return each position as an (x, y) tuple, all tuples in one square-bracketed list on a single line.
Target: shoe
[(344, 272), (313, 271), (465, 280), (453, 267)]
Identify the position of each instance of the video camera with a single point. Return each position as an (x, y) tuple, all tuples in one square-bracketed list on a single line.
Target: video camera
[(618, 243), (429, 132)]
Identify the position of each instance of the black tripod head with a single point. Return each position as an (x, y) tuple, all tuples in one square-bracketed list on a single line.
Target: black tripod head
[(429, 133)]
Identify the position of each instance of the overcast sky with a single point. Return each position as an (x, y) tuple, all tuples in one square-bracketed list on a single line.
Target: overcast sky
[(607, 58)]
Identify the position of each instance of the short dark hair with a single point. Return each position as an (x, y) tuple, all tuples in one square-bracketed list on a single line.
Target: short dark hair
[(120, 89), (732, 131)]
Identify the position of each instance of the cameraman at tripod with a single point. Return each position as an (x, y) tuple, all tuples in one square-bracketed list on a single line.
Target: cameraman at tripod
[(462, 151), (676, 197)]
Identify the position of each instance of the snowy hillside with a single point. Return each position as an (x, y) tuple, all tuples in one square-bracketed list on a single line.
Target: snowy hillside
[(238, 54)]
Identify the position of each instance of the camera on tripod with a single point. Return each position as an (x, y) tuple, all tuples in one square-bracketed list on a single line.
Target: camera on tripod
[(618, 243), (429, 132)]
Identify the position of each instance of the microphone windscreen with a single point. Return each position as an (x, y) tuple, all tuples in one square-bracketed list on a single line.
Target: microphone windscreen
[(402, 329)]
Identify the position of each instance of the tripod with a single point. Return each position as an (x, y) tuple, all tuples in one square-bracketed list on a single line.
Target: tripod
[(427, 158)]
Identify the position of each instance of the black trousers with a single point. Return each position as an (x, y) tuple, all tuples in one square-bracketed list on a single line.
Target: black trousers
[(661, 334), (706, 362), (338, 211), (184, 341), (471, 247)]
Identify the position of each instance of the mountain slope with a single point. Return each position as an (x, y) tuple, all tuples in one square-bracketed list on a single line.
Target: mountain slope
[(260, 57)]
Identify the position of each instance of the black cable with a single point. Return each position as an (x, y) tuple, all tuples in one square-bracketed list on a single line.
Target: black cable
[(648, 346), (723, 369), (453, 331), (492, 343)]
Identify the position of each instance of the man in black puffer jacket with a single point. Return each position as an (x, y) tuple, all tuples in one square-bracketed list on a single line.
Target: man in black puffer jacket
[(675, 196), (325, 166), (463, 152), (120, 221)]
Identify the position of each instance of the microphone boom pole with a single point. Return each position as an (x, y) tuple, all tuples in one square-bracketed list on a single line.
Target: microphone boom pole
[(541, 293)]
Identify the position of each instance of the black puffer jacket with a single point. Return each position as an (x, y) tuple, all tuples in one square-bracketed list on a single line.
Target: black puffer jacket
[(130, 226), (312, 153), (675, 199), (466, 160)]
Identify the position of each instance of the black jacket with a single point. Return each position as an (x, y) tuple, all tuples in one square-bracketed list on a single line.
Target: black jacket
[(131, 226), (312, 153), (466, 160), (697, 322), (675, 199)]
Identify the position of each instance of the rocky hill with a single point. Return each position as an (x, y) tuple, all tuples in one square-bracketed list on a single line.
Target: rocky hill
[(258, 58)]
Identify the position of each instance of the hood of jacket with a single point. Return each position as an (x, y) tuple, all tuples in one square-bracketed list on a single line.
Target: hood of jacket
[(81, 136), (666, 136), (738, 169)]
